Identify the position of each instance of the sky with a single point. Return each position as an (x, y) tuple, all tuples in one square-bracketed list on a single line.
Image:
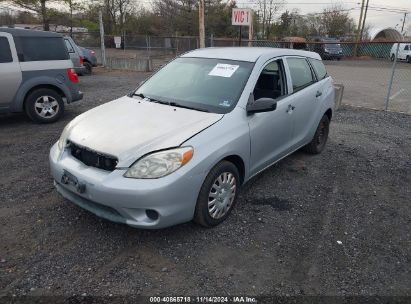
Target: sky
[(376, 17)]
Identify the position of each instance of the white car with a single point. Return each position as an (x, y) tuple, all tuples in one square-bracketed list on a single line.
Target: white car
[(404, 52)]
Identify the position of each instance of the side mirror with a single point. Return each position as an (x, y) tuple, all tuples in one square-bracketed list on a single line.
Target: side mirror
[(260, 105)]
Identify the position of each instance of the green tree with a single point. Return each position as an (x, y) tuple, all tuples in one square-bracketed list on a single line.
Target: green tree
[(37, 6), (336, 21)]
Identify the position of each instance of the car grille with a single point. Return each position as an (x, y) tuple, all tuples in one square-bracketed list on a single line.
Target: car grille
[(92, 158)]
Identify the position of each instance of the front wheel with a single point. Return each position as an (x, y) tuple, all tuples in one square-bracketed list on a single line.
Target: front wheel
[(392, 57), (218, 195), (44, 106), (319, 140)]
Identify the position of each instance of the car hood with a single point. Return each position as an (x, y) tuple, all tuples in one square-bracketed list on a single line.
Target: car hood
[(128, 128)]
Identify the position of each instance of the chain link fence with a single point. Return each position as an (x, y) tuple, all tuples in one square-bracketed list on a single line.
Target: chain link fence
[(368, 71)]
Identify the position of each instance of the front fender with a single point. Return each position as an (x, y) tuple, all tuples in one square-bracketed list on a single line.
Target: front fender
[(227, 137)]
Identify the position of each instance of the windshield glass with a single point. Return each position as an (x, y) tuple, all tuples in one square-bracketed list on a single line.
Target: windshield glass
[(333, 46), (213, 85)]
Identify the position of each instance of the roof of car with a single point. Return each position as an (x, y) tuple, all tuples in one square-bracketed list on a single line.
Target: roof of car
[(250, 54), (17, 32)]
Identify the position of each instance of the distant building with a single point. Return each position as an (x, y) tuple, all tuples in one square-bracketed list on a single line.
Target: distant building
[(385, 34)]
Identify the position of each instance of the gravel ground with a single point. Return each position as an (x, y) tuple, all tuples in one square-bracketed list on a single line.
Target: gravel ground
[(333, 224)]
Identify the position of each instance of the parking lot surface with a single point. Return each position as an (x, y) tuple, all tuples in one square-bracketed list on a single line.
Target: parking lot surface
[(366, 83), (337, 223)]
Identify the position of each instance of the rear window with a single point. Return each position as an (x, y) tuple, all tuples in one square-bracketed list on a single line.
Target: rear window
[(5, 52), (42, 49), (319, 68), (69, 47)]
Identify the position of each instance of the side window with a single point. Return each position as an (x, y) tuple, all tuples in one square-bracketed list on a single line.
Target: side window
[(69, 47), (43, 49), (406, 48), (5, 52), (271, 82), (319, 68), (301, 74)]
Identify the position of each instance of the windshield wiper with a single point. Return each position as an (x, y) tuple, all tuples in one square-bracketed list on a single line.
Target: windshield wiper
[(158, 101), (169, 103), (141, 95), (174, 104)]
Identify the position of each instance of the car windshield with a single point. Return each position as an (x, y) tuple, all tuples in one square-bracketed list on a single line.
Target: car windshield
[(333, 46), (212, 85)]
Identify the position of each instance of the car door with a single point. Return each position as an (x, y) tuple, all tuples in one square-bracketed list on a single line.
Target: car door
[(404, 51), (10, 73), (408, 52), (270, 132), (307, 95)]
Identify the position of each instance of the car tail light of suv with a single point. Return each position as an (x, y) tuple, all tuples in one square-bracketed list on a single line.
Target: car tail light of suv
[(72, 75), (81, 60)]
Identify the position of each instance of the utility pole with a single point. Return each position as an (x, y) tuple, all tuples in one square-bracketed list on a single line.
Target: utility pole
[(201, 24), (358, 29), (103, 48), (250, 33), (71, 18), (363, 21), (403, 23), (394, 64)]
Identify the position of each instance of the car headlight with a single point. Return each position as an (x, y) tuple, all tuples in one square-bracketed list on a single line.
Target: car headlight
[(63, 137), (160, 164)]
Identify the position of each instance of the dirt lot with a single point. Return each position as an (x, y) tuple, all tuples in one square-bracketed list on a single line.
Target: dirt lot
[(333, 224)]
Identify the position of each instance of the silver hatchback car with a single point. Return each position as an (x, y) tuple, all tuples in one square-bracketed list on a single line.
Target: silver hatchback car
[(180, 146)]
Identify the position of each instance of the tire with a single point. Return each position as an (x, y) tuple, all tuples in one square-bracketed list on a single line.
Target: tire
[(208, 214), (89, 68), (44, 106), (409, 59), (392, 57), (319, 140)]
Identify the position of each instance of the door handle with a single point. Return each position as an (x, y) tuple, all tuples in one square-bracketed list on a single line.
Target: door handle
[(318, 94), (290, 109)]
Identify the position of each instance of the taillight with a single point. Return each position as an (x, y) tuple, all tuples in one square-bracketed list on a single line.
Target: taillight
[(81, 60), (72, 75)]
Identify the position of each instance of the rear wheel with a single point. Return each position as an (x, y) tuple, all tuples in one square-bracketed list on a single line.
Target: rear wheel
[(392, 57), (409, 59), (44, 106), (218, 195), (89, 68), (319, 140)]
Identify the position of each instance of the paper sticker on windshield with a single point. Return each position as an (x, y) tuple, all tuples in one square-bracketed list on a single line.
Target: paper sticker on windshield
[(223, 70), (225, 103)]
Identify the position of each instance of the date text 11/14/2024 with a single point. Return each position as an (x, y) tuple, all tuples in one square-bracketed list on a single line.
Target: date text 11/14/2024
[(204, 299)]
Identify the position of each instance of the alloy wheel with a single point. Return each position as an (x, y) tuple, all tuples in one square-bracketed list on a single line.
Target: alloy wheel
[(46, 106)]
